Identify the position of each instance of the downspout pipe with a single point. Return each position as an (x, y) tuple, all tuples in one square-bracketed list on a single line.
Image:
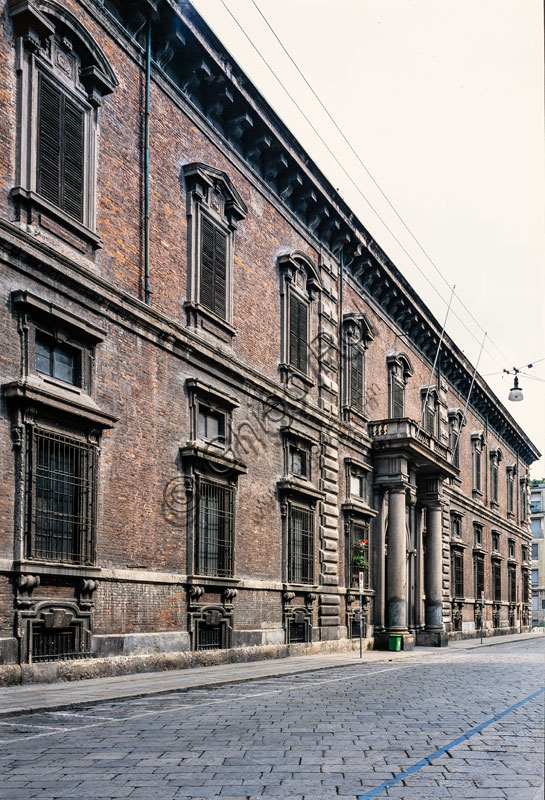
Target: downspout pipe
[(146, 166), (341, 334)]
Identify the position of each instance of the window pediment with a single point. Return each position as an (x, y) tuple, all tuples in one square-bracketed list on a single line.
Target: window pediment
[(214, 188)]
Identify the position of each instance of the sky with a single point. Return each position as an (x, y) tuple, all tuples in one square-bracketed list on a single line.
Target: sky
[(441, 102)]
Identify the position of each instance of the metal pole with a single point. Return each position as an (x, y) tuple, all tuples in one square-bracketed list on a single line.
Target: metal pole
[(361, 614), (482, 615), (146, 166)]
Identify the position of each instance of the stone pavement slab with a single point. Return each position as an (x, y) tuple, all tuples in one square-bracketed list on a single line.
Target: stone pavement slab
[(32, 697)]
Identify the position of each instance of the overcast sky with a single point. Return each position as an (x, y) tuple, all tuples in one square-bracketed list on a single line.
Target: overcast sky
[(442, 100)]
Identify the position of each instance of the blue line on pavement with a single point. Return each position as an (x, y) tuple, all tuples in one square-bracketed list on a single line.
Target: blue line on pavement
[(428, 759)]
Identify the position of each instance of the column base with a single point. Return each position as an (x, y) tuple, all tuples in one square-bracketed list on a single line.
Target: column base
[(382, 640), (431, 639)]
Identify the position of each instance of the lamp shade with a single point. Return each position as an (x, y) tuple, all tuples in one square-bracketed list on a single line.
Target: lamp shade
[(516, 394)]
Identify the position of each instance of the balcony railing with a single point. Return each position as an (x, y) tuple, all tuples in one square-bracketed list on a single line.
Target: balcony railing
[(405, 428)]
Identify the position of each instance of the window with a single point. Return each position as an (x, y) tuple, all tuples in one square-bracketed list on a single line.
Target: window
[(357, 334), (496, 457), (535, 577), (211, 424), (496, 579), (399, 371), (524, 553), (213, 277), (535, 507), (495, 541), (510, 474), (535, 549), (359, 485), (512, 577), (477, 444), (298, 328), (61, 146), (456, 422), (300, 545), (60, 497), (299, 463), (456, 525), (536, 529), (478, 575), (214, 209), (478, 535), (358, 553), (57, 360), (215, 518), (64, 76), (511, 548), (524, 498), (429, 415), (457, 572)]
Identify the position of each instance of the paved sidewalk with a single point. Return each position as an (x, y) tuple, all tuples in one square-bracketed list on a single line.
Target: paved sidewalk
[(33, 697)]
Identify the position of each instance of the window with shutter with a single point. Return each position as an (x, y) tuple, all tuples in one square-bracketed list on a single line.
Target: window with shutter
[(356, 379), (398, 399), (60, 161), (298, 350), (213, 268)]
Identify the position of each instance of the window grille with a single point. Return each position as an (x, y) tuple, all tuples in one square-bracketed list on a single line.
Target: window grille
[(478, 567), (355, 627), (209, 637), (525, 585), (213, 268), (301, 545), (60, 150), (458, 573), (298, 333), (214, 547), (476, 469), (512, 584), (57, 645), (359, 553), (297, 632), (496, 579), (510, 493), (60, 491)]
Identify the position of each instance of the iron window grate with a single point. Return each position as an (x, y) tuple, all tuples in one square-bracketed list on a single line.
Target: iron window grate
[(61, 473), (56, 645), (214, 550), (209, 637), (297, 632), (301, 545)]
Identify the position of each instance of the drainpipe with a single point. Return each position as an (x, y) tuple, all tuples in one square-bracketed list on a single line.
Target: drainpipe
[(341, 335), (146, 165)]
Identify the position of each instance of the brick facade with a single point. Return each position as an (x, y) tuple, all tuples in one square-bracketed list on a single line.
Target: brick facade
[(171, 538)]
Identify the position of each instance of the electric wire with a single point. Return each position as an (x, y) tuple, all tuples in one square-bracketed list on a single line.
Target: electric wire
[(369, 173), (358, 189)]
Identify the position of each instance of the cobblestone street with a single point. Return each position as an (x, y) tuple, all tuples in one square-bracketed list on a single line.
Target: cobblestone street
[(451, 724)]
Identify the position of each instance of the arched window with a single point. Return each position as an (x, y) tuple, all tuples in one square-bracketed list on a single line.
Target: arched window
[(299, 284), (63, 78)]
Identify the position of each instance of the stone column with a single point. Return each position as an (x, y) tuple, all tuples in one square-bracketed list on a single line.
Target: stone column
[(433, 569), (396, 592)]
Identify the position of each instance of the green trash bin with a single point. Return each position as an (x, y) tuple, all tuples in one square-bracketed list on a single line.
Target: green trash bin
[(394, 642)]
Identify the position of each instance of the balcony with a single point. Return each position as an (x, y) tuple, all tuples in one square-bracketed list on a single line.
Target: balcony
[(402, 436)]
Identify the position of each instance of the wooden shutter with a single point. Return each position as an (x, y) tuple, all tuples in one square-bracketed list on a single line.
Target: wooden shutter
[(60, 150), (356, 379), (298, 333), (72, 162), (398, 392), (49, 142), (213, 268)]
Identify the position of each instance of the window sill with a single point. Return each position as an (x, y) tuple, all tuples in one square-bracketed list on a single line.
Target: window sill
[(460, 544), (35, 202), (290, 375), (211, 580), (198, 316), (28, 566), (356, 506), (59, 400), (213, 459), (297, 486)]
